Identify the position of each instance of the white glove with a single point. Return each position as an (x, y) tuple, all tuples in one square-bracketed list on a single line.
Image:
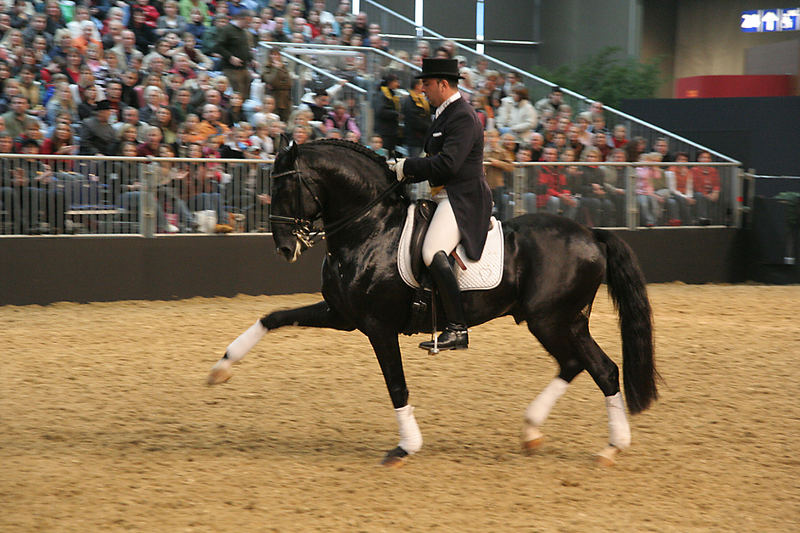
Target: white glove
[(397, 167)]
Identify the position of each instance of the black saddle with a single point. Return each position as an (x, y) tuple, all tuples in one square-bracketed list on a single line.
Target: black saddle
[(423, 214)]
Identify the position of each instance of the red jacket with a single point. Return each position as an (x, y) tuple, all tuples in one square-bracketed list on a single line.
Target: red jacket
[(705, 179), (553, 182)]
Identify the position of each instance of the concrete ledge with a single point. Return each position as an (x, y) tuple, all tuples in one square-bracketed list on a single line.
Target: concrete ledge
[(42, 270)]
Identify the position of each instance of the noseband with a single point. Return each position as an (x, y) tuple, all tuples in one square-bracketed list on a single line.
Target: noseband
[(302, 228)]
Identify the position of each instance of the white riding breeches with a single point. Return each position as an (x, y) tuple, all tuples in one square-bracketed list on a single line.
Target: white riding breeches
[(443, 234)]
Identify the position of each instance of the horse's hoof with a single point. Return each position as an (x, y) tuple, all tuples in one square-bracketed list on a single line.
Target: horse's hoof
[(530, 446), (608, 456), (220, 372), (395, 458), (532, 438)]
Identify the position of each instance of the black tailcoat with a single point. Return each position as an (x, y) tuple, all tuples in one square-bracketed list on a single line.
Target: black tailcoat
[(454, 148)]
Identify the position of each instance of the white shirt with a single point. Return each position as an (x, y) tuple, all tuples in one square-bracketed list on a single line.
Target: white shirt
[(446, 103)]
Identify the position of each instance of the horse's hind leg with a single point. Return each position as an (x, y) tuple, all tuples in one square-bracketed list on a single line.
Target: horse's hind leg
[(606, 375), (556, 341), (318, 315)]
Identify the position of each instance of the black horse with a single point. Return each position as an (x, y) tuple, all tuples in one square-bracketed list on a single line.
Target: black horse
[(553, 268)]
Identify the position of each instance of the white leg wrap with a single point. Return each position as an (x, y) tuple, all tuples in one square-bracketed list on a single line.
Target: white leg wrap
[(540, 408), (410, 435), (245, 342), (619, 432)]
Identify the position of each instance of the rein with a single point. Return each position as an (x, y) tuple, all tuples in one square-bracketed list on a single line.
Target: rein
[(303, 228)]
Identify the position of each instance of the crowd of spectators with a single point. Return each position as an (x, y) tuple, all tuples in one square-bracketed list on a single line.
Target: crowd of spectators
[(181, 79)]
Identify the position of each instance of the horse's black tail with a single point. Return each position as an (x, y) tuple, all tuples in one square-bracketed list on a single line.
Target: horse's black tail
[(626, 285)]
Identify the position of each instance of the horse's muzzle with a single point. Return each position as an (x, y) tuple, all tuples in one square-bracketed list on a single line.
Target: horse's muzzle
[(289, 253)]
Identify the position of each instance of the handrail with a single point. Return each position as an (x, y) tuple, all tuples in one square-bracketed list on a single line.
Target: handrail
[(255, 161), (464, 40), (551, 84), (268, 44), (60, 157)]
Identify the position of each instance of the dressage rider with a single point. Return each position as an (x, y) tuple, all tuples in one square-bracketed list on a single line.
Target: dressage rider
[(454, 167)]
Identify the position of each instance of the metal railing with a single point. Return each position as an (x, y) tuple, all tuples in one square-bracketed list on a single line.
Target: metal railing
[(359, 69), (539, 88), (56, 194)]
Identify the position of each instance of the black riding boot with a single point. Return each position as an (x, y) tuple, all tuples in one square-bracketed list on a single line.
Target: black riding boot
[(454, 336)]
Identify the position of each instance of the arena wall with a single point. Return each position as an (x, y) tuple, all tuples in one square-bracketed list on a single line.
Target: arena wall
[(42, 270)]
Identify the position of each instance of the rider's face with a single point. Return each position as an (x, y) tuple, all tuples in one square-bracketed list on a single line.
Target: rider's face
[(433, 89)]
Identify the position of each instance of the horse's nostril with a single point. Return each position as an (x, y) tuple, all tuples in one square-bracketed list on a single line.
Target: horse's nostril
[(285, 251)]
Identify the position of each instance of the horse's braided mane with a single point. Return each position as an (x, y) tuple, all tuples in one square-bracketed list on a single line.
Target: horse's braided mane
[(361, 149)]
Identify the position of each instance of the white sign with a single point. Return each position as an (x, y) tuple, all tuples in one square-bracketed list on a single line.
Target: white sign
[(770, 20)]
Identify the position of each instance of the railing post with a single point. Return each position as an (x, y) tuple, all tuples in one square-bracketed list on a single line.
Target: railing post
[(147, 201), (631, 208), (736, 197), (518, 188)]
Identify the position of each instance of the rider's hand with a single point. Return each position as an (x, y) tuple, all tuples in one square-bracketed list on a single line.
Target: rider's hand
[(397, 167)]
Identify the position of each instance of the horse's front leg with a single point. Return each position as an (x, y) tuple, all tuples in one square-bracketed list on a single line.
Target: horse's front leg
[(387, 349), (319, 315)]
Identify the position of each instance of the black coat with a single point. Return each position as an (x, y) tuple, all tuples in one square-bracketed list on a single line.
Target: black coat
[(454, 148), (416, 122)]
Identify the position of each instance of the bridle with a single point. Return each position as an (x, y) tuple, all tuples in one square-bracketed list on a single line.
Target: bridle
[(304, 230)]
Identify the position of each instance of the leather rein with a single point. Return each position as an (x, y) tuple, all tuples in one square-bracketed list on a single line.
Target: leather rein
[(304, 230)]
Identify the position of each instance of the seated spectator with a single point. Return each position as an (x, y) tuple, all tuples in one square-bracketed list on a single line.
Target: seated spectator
[(150, 148), (516, 114), (552, 194), (198, 60), (142, 28), (234, 115), (36, 198), (499, 165), (551, 104), (130, 187), (153, 97), (201, 191), (647, 199), (301, 134), (29, 87), (635, 148), (211, 127), (681, 185), (165, 122), (15, 118), (130, 115), (615, 182), (97, 135), (596, 209), (88, 104), (662, 147), (172, 182), (170, 20), (620, 136), (263, 141), (706, 184), (196, 28), (376, 145), (340, 120)]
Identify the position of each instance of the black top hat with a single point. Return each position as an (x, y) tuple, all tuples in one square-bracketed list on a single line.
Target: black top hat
[(103, 104), (439, 68)]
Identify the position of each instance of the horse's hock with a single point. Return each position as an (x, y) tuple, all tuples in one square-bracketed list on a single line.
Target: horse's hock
[(292, 441)]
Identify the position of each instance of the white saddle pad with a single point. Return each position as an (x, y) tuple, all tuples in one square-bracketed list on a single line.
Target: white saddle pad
[(486, 273)]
